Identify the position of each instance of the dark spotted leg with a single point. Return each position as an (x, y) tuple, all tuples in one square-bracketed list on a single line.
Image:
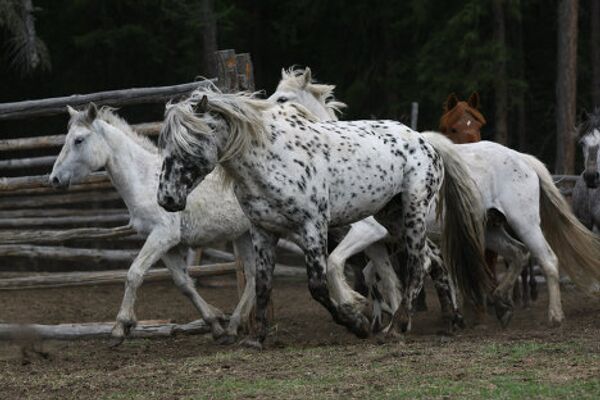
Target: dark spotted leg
[(314, 241), (445, 288), (264, 250)]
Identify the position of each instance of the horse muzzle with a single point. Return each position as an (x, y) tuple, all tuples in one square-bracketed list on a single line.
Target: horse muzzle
[(58, 182), (592, 179)]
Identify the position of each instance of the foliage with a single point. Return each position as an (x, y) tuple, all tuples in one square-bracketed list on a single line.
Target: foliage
[(382, 55)]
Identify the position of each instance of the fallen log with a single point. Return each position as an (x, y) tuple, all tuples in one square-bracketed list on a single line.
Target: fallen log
[(57, 105), (11, 203), (144, 329), (64, 279), (56, 236)]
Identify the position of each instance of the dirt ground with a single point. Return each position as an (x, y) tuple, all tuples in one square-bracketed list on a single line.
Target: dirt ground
[(307, 356)]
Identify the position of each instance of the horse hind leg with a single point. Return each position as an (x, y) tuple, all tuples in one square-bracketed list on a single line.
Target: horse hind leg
[(531, 235), (175, 262)]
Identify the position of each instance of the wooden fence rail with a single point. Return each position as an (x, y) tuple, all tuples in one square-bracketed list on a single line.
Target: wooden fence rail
[(43, 142), (57, 105)]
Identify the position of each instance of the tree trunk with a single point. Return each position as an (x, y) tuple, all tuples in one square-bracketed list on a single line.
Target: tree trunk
[(595, 51), (209, 38), (566, 86), (500, 82), (520, 100)]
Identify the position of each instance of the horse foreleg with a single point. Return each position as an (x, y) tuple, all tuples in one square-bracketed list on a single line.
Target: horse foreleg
[(264, 259), (176, 264), (156, 245)]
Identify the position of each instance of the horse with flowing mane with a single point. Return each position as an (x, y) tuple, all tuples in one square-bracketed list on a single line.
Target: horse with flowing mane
[(521, 189), (295, 176), (98, 138), (586, 193)]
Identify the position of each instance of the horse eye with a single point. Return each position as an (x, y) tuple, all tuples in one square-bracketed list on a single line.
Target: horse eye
[(454, 130), (79, 140), (282, 99)]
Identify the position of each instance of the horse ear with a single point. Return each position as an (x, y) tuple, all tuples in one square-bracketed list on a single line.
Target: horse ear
[(307, 77), (474, 100), (202, 106), (72, 112), (451, 102), (283, 74), (91, 113)]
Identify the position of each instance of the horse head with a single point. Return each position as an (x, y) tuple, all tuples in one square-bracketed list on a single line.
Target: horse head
[(462, 121), (590, 144)]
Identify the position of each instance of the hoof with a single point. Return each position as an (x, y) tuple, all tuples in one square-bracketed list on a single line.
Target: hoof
[(556, 320), (226, 340), (459, 321), (251, 344), (354, 321), (116, 341), (217, 330)]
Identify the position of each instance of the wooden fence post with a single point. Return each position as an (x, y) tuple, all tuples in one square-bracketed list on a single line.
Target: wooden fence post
[(227, 73)]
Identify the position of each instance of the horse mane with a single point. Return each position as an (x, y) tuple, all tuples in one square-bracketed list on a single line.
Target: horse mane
[(242, 112), (108, 115), (292, 78), (452, 116)]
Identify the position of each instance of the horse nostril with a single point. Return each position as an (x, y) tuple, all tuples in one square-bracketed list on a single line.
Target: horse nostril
[(55, 181)]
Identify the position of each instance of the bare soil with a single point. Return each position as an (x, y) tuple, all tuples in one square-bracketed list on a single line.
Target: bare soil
[(307, 355)]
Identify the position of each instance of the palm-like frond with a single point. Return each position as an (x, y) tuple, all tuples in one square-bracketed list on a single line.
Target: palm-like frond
[(25, 50)]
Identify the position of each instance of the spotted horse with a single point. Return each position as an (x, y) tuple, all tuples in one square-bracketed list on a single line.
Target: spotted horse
[(294, 177)]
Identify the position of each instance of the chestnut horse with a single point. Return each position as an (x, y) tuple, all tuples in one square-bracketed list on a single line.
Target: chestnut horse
[(462, 122)]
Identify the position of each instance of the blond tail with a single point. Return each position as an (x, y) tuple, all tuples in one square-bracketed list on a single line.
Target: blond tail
[(463, 225), (577, 249)]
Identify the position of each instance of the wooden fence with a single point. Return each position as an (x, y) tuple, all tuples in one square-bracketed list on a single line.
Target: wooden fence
[(87, 223)]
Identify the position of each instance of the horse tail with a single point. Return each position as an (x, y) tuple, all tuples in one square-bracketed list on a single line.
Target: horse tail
[(577, 249), (463, 224)]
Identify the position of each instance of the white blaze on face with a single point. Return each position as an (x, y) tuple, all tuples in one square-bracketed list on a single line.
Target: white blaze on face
[(469, 123)]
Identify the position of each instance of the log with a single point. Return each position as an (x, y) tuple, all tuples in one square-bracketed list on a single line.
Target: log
[(217, 254), (57, 105), (144, 329), (25, 182), (59, 212), (57, 236), (43, 142), (122, 218), (245, 72), (227, 70), (67, 253), (12, 203), (55, 280), (33, 162), (50, 190)]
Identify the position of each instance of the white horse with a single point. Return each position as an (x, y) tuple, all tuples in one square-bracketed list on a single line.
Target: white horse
[(100, 139), (297, 86), (294, 177), (518, 190), (586, 193)]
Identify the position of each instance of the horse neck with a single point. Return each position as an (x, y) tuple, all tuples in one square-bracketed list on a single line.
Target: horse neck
[(132, 169)]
